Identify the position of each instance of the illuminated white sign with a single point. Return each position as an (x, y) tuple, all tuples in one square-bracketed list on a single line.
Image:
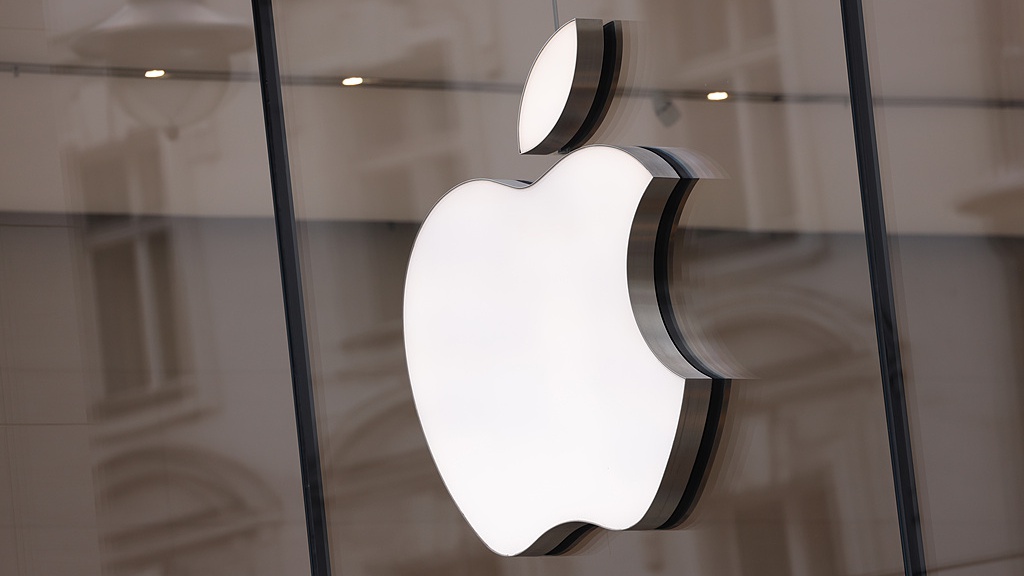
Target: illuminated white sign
[(550, 388), (561, 87)]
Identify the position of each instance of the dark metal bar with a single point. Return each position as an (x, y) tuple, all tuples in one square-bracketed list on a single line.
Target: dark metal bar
[(882, 294), (291, 284)]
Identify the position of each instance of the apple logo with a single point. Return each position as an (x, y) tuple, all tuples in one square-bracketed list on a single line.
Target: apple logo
[(555, 389)]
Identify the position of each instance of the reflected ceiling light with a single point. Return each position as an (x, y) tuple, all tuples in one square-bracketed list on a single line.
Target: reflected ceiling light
[(352, 81), (717, 95), (154, 73)]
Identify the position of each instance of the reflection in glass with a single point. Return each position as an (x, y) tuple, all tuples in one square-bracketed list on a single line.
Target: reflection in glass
[(145, 412)]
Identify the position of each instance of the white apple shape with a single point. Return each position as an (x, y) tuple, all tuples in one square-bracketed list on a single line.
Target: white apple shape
[(542, 402), (564, 82)]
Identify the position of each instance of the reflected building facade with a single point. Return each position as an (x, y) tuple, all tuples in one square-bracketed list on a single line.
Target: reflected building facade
[(147, 425)]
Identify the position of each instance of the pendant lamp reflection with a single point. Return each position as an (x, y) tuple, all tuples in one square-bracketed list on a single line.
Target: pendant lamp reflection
[(166, 35)]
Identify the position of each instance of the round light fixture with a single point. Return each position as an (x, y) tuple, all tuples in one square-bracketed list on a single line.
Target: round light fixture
[(154, 36)]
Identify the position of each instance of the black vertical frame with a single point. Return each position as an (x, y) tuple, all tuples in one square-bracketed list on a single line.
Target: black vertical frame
[(291, 284), (882, 294)]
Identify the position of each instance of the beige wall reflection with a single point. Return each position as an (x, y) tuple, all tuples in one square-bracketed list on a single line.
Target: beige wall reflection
[(144, 432)]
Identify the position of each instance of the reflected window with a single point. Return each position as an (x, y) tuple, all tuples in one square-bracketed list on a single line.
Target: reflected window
[(130, 258)]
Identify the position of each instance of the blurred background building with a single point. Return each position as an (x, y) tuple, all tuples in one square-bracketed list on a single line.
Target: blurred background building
[(146, 418)]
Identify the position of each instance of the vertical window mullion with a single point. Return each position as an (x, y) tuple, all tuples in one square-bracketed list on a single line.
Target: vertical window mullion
[(291, 284), (882, 294)]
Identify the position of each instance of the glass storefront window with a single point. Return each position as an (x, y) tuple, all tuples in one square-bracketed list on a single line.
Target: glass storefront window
[(146, 422), (147, 416)]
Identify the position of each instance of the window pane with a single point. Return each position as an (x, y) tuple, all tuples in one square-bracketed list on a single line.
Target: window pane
[(770, 270), (950, 123), (146, 421)]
